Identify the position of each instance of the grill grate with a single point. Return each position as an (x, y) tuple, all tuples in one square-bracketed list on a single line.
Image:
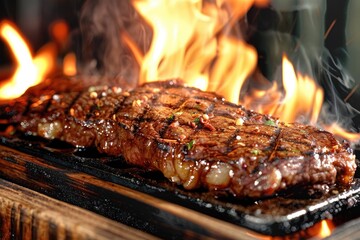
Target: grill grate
[(280, 215)]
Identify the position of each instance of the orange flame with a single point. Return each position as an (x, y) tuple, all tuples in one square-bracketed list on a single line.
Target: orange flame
[(59, 31), (339, 131), (69, 64), (190, 42), (301, 98), (326, 227), (29, 71)]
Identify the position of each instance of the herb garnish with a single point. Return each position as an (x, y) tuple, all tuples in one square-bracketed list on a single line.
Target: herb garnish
[(295, 150), (190, 144), (197, 121), (255, 151), (171, 118), (270, 123)]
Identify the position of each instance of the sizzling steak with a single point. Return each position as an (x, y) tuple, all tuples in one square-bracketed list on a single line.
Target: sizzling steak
[(194, 138)]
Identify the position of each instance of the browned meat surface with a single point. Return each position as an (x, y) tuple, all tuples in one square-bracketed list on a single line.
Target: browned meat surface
[(194, 138)]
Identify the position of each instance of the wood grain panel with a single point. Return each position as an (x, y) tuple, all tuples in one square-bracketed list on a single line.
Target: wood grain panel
[(26, 214)]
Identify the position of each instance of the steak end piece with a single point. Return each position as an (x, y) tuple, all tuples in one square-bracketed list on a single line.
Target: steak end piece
[(195, 138)]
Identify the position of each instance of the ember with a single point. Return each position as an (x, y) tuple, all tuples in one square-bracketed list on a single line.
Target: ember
[(69, 65)]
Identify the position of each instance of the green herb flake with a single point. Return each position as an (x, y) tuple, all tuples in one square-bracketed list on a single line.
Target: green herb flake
[(255, 151), (295, 151), (190, 144), (171, 117), (197, 121), (270, 123)]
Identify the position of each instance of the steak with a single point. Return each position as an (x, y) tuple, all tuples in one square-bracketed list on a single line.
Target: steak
[(195, 138)]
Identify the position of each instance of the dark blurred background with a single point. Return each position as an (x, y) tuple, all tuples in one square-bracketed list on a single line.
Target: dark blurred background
[(34, 18)]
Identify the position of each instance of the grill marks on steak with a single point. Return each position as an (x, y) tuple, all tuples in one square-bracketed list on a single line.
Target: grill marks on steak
[(194, 138)]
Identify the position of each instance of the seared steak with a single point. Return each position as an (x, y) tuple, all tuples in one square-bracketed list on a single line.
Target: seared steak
[(195, 138)]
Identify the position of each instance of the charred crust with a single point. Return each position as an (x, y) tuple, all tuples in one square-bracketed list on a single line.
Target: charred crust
[(67, 110), (261, 159)]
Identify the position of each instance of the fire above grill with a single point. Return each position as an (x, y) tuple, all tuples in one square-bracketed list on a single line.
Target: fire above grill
[(145, 200)]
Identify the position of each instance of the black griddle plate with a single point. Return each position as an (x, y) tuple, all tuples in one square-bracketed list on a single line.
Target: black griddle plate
[(277, 216)]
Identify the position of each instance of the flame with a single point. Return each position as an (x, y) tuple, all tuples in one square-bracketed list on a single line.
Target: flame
[(326, 227), (69, 64), (341, 132), (301, 98), (192, 41), (29, 71), (59, 31)]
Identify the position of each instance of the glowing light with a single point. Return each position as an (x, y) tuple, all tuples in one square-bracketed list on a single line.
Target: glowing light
[(26, 68), (325, 229), (190, 42), (300, 99), (60, 31), (69, 64), (303, 97), (29, 71), (341, 132)]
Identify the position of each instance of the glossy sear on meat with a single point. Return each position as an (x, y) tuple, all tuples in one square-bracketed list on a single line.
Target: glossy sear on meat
[(195, 138)]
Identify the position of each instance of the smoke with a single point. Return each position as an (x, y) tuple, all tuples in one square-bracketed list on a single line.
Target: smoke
[(102, 23), (338, 83), (337, 74), (321, 39)]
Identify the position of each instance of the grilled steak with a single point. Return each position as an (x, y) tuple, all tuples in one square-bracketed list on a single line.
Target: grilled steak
[(195, 138)]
